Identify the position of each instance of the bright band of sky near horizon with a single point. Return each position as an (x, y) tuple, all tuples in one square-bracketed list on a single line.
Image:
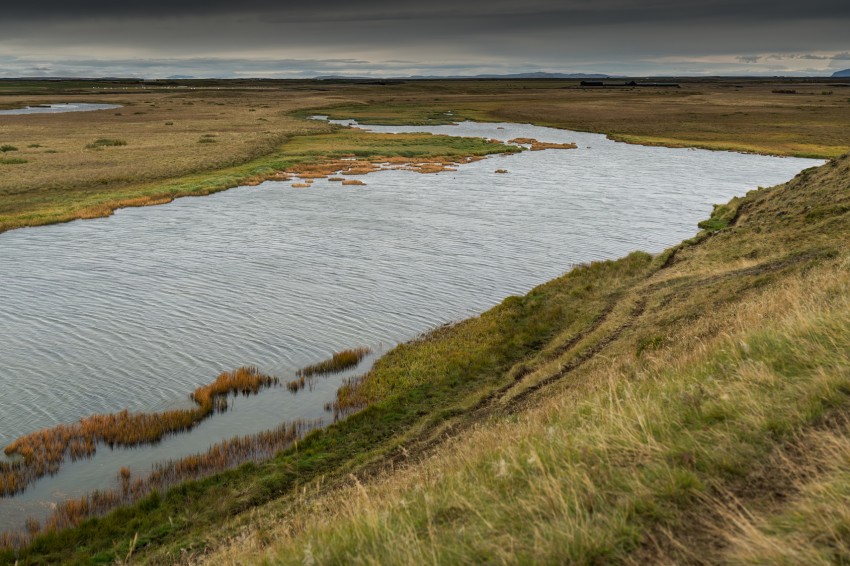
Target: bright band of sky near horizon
[(262, 38)]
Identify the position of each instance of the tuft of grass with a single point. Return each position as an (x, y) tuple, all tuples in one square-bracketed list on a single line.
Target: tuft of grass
[(7, 147), (12, 161), (106, 142)]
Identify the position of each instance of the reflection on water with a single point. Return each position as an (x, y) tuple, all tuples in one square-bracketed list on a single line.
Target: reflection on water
[(138, 309)]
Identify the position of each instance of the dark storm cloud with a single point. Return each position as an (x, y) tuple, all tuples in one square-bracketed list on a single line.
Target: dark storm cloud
[(274, 38), (542, 12)]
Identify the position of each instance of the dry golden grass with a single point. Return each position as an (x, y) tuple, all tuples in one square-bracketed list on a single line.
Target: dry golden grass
[(62, 176), (744, 115)]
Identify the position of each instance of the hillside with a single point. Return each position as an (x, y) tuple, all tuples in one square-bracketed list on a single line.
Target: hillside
[(699, 415), (839, 74)]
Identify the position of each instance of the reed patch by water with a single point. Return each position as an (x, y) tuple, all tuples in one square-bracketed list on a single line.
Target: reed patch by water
[(536, 145), (338, 362), (222, 456), (43, 452)]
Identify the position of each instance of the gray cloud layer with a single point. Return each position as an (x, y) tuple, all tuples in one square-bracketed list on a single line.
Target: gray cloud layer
[(274, 38)]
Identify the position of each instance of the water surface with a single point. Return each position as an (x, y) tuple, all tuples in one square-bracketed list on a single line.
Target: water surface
[(59, 108)]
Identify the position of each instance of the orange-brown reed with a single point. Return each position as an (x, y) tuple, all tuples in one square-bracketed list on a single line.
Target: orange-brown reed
[(42, 452), (539, 145), (339, 361), (220, 457), (364, 166)]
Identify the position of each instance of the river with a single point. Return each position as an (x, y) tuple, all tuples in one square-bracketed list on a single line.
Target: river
[(137, 309)]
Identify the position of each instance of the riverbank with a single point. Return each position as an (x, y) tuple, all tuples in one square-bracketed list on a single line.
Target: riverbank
[(652, 393), (305, 153)]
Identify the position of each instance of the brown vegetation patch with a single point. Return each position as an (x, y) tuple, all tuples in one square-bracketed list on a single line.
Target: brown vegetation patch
[(355, 182), (540, 146), (364, 166), (220, 457), (41, 453)]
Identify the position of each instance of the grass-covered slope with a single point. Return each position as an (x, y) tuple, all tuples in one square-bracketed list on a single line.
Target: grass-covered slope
[(687, 408)]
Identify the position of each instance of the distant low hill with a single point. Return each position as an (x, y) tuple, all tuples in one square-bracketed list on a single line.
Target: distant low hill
[(839, 74), (536, 75)]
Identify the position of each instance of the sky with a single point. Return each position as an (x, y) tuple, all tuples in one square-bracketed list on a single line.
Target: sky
[(284, 39)]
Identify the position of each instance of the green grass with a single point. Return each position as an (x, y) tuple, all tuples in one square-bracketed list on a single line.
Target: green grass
[(6, 148)]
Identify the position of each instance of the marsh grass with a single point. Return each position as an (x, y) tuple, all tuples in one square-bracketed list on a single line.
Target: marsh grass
[(339, 361), (703, 113), (168, 162), (536, 145), (220, 457)]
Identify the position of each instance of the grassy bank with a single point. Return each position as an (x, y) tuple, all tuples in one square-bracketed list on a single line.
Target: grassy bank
[(61, 204), (647, 409)]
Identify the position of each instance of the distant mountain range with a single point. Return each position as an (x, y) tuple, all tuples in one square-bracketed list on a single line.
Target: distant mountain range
[(537, 75), (839, 74)]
